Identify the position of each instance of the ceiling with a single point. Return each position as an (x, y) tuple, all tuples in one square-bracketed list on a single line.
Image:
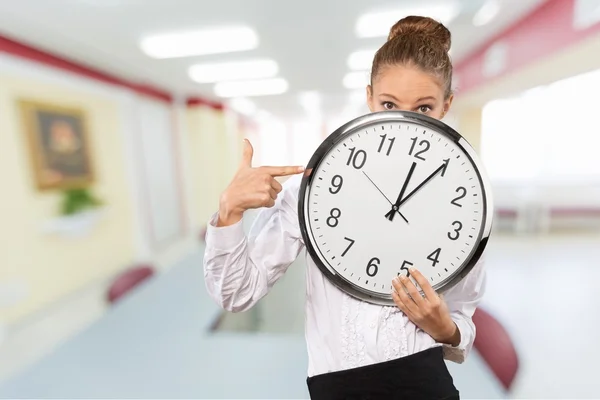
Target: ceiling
[(309, 39)]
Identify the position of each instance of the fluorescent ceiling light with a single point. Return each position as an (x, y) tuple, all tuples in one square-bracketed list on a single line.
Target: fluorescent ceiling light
[(201, 42), (361, 60), (378, 24), (228, 71), (260, 87), (486, 13), (356, 80)]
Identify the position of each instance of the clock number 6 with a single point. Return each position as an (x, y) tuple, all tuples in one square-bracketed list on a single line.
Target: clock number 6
[(373, 266), (333, 218), (456, 230)]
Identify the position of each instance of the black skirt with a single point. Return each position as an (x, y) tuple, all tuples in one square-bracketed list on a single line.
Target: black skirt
[(419, 376)]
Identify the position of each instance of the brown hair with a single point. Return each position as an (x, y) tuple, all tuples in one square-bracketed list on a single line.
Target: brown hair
[(419, 41)]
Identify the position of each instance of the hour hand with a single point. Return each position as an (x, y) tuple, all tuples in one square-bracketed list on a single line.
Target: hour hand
[(396, 206)]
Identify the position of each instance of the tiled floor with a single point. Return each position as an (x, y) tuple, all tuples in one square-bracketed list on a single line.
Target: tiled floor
[(545, 292), (27, 342), (543, 289), (23, 344)]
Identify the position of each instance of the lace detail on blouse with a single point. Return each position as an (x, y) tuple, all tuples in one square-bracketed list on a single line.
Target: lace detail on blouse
[(393, 334), (353, 341)]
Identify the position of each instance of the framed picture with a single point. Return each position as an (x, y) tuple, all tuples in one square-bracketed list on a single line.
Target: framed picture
[(59, 146)]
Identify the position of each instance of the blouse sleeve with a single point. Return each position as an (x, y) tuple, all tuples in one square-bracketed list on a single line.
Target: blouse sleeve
[(462, 300), (239, 270)]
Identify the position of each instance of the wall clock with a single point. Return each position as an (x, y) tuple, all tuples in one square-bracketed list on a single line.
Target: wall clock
[(392, 190)]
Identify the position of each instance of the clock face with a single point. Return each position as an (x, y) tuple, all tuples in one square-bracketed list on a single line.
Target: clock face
[(388, 192)]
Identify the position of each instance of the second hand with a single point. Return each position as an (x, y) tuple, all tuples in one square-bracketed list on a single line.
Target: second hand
[(392, 204)]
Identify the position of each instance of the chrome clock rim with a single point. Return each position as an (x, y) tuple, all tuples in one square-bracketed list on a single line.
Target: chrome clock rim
[(390, 117)]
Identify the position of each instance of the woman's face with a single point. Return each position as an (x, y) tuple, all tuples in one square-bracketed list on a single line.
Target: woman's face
[(398, 87)]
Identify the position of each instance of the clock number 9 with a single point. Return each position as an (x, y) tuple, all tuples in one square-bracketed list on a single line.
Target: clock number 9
[(336, 186), (456, 230), (333, 218), (357, 158), (373, 266)]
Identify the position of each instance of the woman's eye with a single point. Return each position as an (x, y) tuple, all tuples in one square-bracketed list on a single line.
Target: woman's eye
[(387, 105), (424, 109)]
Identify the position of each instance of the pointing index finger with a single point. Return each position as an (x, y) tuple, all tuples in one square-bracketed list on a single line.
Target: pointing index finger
[(282, 171)]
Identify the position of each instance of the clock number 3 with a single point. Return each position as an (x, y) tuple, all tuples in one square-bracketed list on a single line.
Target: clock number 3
[(451, 235)]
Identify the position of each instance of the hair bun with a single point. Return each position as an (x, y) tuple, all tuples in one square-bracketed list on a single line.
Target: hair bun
[(424, 27)]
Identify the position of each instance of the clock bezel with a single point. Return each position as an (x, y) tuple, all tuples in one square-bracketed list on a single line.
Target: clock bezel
[(392, 116)]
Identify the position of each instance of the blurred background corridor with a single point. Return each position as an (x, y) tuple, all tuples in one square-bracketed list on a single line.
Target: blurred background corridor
[(121, 121)]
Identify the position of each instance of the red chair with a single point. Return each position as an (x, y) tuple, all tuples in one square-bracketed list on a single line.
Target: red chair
[(127, 281), (496, 347)]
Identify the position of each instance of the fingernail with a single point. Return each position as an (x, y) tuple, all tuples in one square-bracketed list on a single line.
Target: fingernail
[(300, 169), (412, 269)]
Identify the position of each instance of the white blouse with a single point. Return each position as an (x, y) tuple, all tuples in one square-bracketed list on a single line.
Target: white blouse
[(341, 331)]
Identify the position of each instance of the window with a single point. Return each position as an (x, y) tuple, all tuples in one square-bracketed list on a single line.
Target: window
[(550, 133)]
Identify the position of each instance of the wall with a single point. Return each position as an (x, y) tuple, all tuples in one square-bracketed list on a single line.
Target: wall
[(49, 266), (138, 155), (214, 146)]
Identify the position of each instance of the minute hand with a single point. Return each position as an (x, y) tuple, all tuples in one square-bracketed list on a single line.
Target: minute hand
[(430, 177)]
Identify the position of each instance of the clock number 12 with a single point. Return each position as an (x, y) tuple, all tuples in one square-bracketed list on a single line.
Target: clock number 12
[(424, 143)]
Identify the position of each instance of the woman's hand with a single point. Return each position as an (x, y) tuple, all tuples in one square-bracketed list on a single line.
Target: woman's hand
[(251, 188), (428, 312)]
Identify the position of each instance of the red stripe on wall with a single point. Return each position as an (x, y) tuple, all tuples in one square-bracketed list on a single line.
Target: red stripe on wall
[(546, 30), (21, 50), (198, 102)]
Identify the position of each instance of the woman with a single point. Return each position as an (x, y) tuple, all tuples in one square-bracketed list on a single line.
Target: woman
[(356, 349)]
